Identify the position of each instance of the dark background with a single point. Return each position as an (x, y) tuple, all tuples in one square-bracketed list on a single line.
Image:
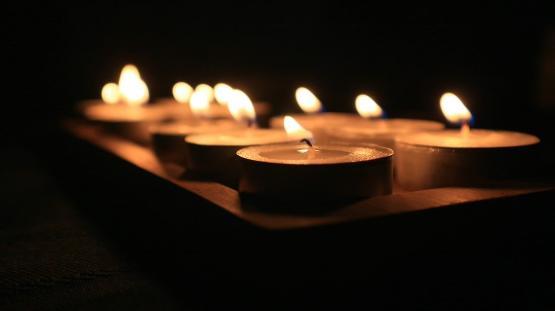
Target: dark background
[(498, 56)]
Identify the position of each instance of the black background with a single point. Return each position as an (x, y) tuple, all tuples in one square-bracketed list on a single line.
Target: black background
[(493, 55), (497, 56)]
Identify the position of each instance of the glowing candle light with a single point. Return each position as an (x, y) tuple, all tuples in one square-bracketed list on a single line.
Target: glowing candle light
[(367, 107), (123, 109), (294, 129), (223, 93), (200, 103), (308, 102), (313, 170), (241, 108), (460, 157), (205, 89), (110, 93), (313, 119), (133, 89), (182, 92), (455, 111), (371, 128), (213, 154)]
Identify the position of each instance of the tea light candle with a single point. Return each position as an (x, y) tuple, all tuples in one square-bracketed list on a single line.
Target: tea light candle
[(380, 132), (217, 99), (178, 106), (460, 157), (313, 119), (213, 155), (317, 172), (168, 139), (124, 108), (370, 128), (318, 123)]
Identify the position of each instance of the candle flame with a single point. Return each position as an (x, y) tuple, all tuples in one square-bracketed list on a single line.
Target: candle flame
[(454, 110), (308, 102), (182, 92), (200, 103), (367, 107), (110, 93), (129, 71), (223, 93), (241, 108), (207, 90), (294, 129), (133, 89)]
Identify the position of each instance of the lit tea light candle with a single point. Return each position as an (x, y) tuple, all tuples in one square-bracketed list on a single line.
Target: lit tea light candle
[(315, 171), (124, 106), (169, 138), (122, 100), (177, 108), (213, 155), (216, 109), (461, 157), (217, 98), (314, 119), (371, 128), (183, 94)]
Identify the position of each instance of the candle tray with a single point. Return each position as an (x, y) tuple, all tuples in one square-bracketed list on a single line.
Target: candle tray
[(255, 213)]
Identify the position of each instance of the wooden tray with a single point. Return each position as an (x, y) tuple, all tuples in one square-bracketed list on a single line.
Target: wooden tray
[(228, 199)]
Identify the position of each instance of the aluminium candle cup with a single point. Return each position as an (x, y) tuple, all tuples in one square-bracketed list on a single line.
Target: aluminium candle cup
[(213, 156), (318, 122), (168, 139), (445, 158), (284, 172), (381, 132)]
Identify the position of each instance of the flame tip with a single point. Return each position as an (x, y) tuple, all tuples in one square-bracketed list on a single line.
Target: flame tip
[(182, 91), (110, 93), (240, 106), (295, 129), (307, 100), (454, 109), (367, 107), (133, 89), (223, 93)]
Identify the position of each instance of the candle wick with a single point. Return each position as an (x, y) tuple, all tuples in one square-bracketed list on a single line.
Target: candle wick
[(465, 129), (306, 141)]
